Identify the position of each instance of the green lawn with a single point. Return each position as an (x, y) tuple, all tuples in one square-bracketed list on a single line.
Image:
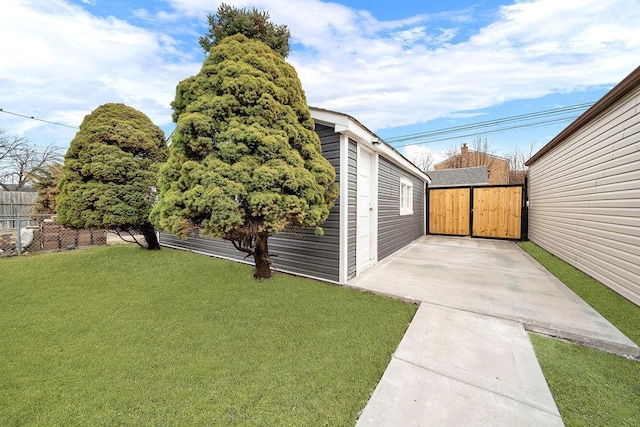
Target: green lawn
[(590, 387), (621, 312), (124, 336)]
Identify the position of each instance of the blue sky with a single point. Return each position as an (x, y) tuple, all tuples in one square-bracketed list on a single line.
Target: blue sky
[(399, 67)]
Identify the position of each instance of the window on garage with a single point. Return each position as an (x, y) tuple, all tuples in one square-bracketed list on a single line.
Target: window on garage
[(406, 197)]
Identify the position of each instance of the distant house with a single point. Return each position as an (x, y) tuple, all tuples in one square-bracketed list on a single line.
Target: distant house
[(380, 210), (497, 167), (460, 177), (584, 191)]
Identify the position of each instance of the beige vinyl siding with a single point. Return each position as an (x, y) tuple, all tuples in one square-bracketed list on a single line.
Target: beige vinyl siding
[(584, 197)]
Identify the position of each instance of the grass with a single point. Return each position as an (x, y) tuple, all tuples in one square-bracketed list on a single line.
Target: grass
[(123, 336), (590, 387), (622, 313)]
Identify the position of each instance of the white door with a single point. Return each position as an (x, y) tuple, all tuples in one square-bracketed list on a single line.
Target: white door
[(365, 209)]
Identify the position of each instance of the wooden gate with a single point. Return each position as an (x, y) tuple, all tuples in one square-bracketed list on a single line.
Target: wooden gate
[(495, 211), (449, 211)]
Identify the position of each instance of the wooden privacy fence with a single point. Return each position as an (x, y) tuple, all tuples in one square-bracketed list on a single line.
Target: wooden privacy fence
[(16, 204), (495, 211)]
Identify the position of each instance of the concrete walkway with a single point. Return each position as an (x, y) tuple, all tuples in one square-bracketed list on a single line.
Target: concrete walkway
[(466, 358)]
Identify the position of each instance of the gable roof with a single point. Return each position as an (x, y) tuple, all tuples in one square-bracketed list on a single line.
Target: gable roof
[(345, 124), (628, 84), (458, 177)]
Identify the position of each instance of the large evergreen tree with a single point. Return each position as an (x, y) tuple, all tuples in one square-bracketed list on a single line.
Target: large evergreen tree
[(110, 172), (253, 23), (245, 161)]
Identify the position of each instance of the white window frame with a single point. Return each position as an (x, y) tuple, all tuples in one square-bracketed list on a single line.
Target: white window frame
[(406, 197)]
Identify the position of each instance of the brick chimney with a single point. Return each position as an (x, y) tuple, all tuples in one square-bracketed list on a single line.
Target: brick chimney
[(464, 150)]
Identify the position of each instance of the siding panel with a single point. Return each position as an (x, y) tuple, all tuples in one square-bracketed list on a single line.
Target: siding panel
[(584, 198), (394, 230)]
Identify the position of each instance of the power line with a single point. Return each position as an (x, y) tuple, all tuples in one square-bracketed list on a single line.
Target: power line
[(2, 110), (430, 135), (525, 125)]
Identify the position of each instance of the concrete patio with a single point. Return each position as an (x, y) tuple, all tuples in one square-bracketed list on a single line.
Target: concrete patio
[(466, 358)]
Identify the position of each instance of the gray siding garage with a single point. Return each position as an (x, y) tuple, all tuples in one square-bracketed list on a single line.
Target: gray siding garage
[(337, 256), (352, 201), (584, 191), (396, 231)]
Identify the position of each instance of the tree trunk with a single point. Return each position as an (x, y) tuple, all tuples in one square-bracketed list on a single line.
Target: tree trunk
[(150, 236), (261, 257)]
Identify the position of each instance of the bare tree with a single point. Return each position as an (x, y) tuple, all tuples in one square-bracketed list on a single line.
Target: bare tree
[(517, 158), (20, 160), (479, 154), (423, 160), (8, 144)]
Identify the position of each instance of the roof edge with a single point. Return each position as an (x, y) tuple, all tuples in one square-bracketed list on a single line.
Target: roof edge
[(611, 97), (370, 137)]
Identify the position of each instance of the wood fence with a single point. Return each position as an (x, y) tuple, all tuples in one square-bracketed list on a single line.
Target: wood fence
[(449, 211), (16, 204), (493, 211)]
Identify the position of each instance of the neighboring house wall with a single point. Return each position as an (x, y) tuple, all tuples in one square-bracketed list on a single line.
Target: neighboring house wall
[(584, 191), (395, 231), (497, 167)]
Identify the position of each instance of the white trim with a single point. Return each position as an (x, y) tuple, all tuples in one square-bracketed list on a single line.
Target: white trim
[(343, 263), (344, 124), (373, 223), (425, 204), (374, 202), (407, 207)]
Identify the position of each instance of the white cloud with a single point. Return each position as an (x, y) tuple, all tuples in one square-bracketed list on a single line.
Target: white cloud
[(533, 49), (392, 73), (419, 154), (60, 62)]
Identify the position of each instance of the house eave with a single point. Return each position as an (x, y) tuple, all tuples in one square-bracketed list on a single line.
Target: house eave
[(347, 125)]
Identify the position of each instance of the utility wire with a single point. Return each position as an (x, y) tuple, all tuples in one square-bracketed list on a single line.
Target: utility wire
[(429, 135), (525, 125), (2, 110)]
